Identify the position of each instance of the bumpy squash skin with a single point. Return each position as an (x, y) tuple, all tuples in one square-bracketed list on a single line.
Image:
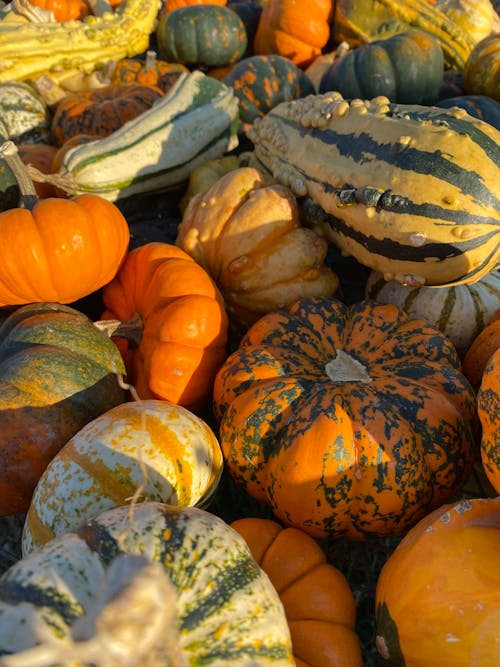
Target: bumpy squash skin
[(200, 35), (406, 68), (58, 372), (481, 106), (363, 453), (437, 598), (411, 191), (228, 612)]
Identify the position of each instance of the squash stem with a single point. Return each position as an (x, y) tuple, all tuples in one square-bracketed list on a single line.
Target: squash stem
[(131, 329), (9, 152)]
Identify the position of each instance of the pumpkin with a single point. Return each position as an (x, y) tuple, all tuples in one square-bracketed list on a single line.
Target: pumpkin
[(438, 595), (318, 602), (406, 68), (247, 235), (58, 372), (347, 421), (65, 10), (224, 610), (169, 5), (481, 106), (149, 71), (42, 157), (295, 29), (201, 36), (24, 113), (261, 82), (481, 349), (173, 306), (141, 450), (460, 311), (57, 249), (482, 68), (203, 177), (75, 140), (488, 407), (101, 111)]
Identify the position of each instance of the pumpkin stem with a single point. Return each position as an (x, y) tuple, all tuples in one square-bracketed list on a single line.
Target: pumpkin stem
[(344, 368), (9, 152), (131, 330), (132, 623)]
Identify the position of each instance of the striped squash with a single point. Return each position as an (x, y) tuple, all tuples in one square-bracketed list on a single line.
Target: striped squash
[(228, 612), (195, 121), (411, 191), (149, 449), (460, 311)]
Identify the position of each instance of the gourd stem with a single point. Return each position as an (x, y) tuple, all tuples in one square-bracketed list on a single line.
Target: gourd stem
[(345, 368), (131, 329), (9, 152), (150, 60)]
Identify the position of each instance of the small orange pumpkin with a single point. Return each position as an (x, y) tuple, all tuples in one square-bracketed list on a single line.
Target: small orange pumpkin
[(295, 29), (488, 408), (65, 10), (169, 5), (149, 71), (481, 349), (101, 111), (318, 602), (179, 317)]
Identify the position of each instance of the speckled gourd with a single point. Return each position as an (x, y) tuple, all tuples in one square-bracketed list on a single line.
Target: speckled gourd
[(408, 190)]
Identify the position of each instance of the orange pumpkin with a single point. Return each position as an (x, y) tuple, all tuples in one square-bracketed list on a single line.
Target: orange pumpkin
[(295, 29), (55, 249), (488, 407), (149, 71), (438, 595), (101, 111), (318, 602), (481, 349), (65, 10), (181, 323), (169, 5), (347, 421)]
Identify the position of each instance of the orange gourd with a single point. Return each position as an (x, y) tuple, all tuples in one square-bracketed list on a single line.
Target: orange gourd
[(488, 407), (169, 5), (438, 595), (481, 349), (65, 10), (56, 249), (295, 29), (180, 321), (318, 602), (149, 71)]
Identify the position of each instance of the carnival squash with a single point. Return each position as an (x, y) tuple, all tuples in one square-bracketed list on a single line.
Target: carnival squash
[(57, 373), (149, 71), (481, 349), (295, 29), (488, 407), (24, 113), (438, 595), (223, 610), (482, 68), (247, 235), (136, 451), (174, 309), (318, 602), (347, 421), (57, 249)]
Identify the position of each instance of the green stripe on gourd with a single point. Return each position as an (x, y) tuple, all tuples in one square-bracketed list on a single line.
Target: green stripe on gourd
[(411, 191), (194, 122), (228, 611)]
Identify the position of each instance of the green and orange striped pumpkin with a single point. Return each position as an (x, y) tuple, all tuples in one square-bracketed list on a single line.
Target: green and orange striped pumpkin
[(346, 421)]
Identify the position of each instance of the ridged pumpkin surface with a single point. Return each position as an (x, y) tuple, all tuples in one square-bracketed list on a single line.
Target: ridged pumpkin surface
[(57, 373), (346, 421), (438, 595), (228, 612), (153, 448)]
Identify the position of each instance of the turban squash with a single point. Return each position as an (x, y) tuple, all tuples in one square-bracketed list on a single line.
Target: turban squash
[(176, 313), (348, 421)]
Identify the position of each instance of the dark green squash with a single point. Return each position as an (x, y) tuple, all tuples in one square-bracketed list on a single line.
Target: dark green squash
[(481, 106), (262, 82), (249, 12), (201, 35), (407, 68), (57, 373)]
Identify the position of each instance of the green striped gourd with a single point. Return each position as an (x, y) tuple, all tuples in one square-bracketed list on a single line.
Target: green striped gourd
[(408, 190), (459, 311), (228, 612), (150, 448), (195, 121), (24, 113)]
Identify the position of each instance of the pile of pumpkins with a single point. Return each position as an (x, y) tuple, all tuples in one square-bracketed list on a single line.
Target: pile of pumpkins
[(281, 136)]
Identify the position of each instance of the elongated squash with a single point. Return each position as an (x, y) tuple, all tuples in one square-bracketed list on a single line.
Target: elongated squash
[(194, 122), (28, 50), (408, 190)]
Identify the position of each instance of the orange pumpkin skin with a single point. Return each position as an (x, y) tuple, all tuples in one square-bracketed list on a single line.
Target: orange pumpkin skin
[(169, 5), (149, 71), (488, 407), (102, 111), (318, 602), (480, 351), (61, 251), (347, 421), (184, 322), (40, 156), (65, 10), (438, 595), (295, 29)]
